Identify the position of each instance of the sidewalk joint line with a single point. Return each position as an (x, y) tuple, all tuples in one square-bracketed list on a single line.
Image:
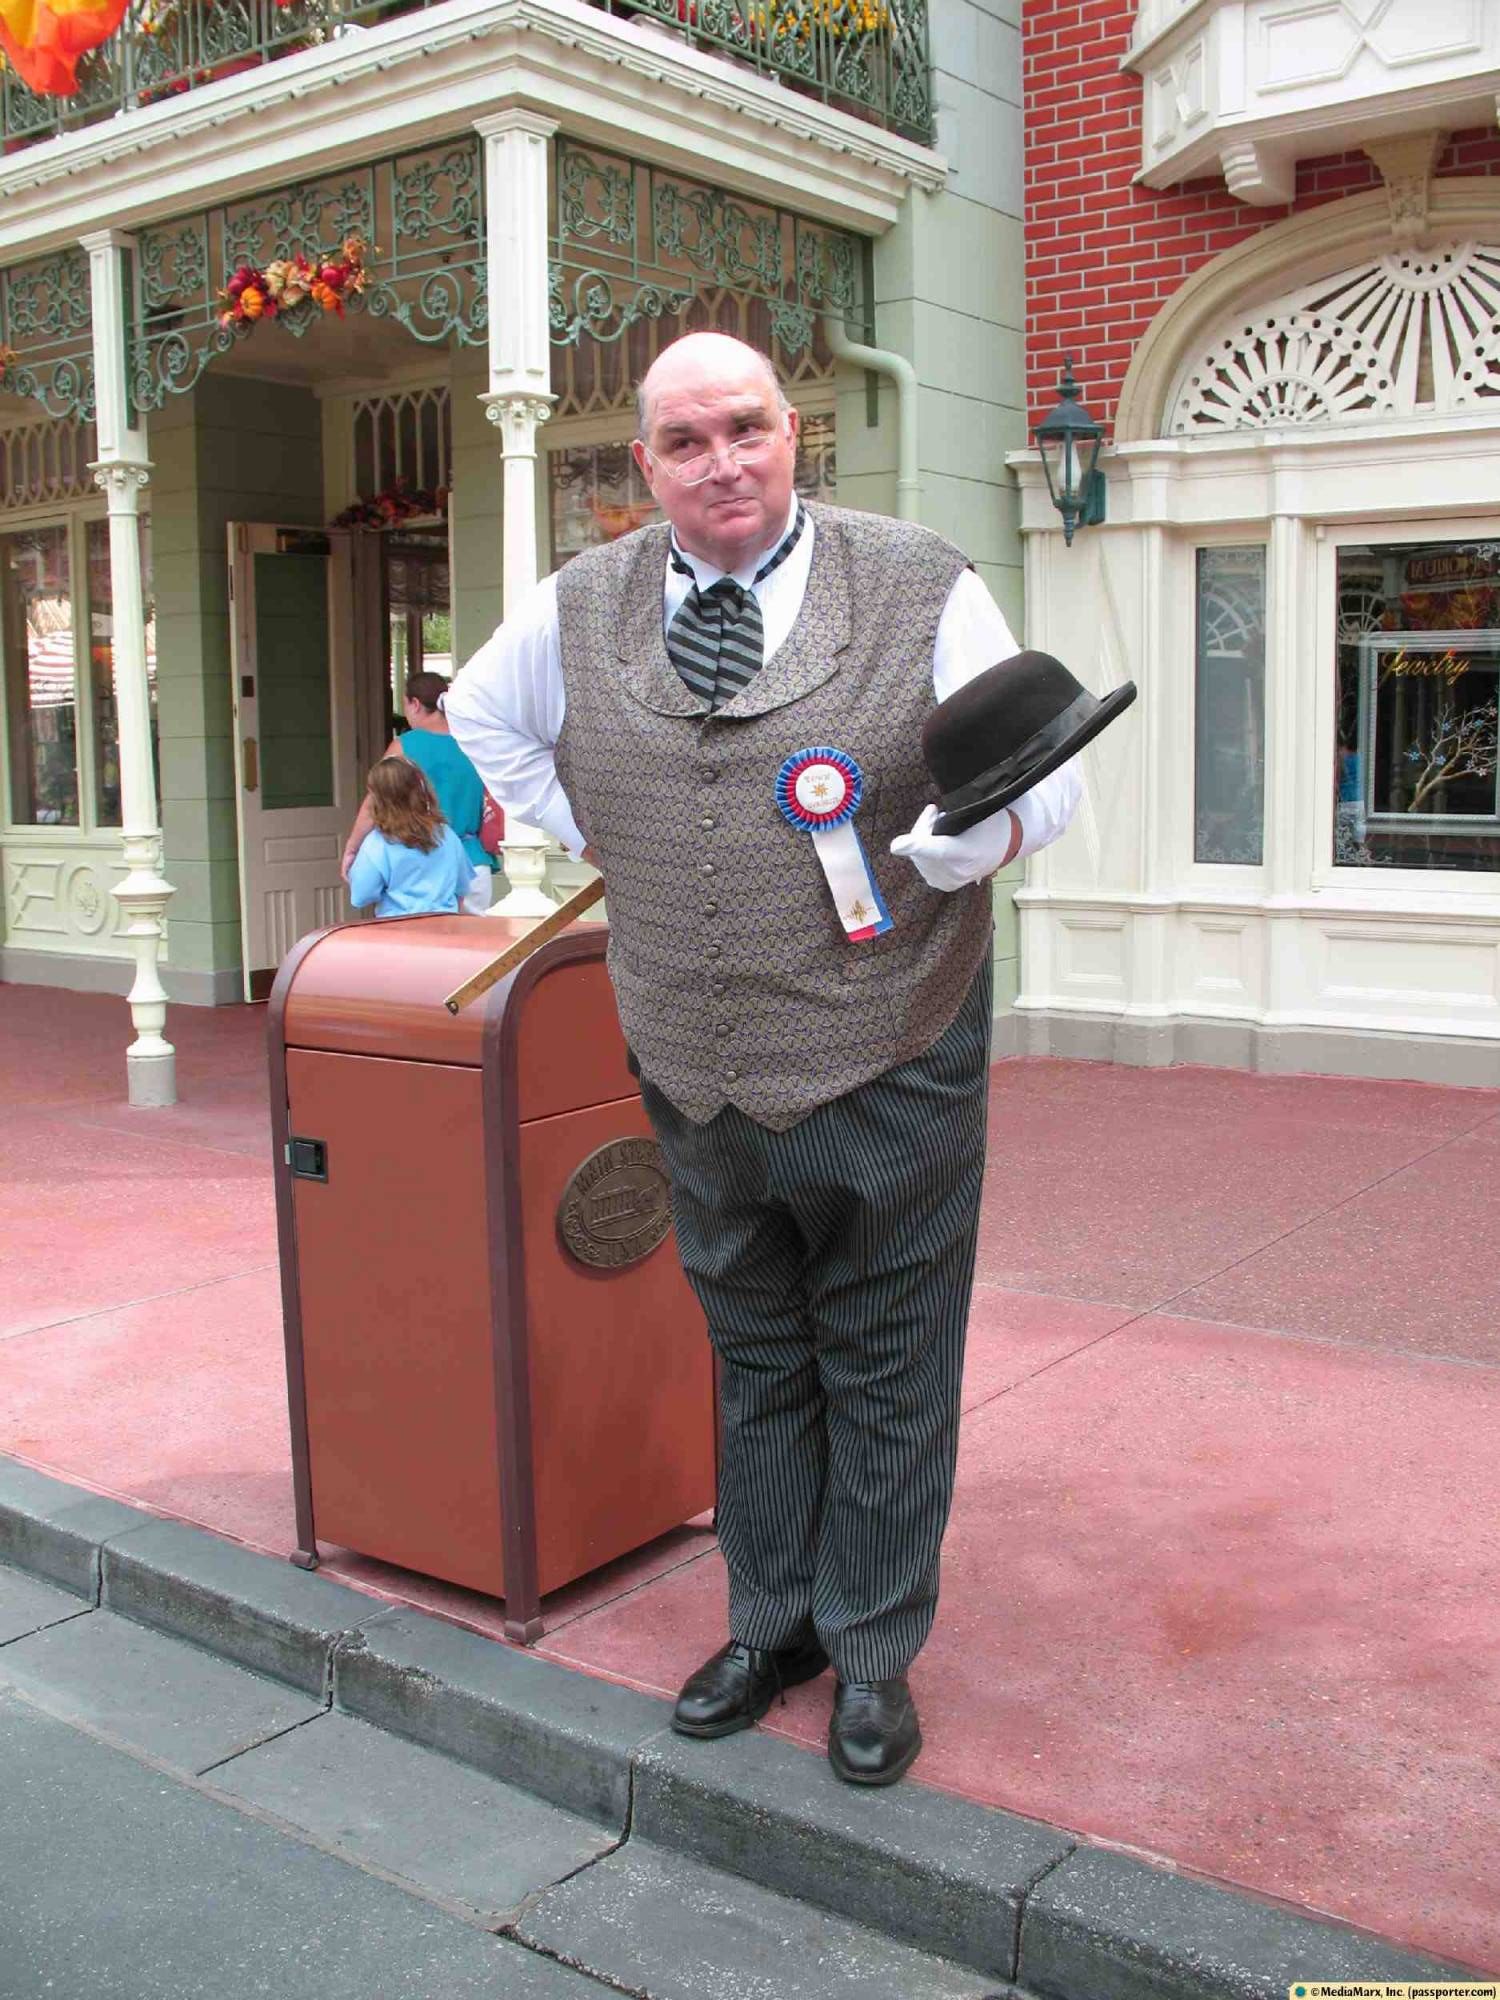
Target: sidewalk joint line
[(256, 1742), (68, 1618), (1212, 1277), (146, 1299), (629, 1590), (577, 1965), (1319, 1215)]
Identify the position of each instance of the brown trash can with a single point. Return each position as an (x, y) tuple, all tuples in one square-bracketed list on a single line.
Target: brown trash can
[(497, 1372)]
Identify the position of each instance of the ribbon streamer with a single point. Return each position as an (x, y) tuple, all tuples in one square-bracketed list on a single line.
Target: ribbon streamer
[(819, 791)]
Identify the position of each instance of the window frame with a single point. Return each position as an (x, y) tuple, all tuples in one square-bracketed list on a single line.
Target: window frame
[(74, 515), (1457, 888)]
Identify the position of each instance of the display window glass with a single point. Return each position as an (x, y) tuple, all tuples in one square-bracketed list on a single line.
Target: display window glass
[(1229, 709), (1418, 646), (41, 676)]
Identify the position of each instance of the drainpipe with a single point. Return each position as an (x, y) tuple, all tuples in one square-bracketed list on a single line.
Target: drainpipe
[(883, 362)]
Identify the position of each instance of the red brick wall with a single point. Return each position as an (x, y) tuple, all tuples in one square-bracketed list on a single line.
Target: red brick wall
[(1102, 255)]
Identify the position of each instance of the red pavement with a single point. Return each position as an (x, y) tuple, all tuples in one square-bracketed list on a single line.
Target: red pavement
[(1223, 1581)]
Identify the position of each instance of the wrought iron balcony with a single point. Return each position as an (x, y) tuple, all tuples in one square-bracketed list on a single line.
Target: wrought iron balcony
[(868, 57)]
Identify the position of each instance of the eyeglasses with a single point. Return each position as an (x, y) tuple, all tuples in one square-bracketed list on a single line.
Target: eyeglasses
[(747, 450)]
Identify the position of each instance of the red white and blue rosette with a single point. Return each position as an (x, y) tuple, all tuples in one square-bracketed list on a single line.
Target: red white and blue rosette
[(818, 791)]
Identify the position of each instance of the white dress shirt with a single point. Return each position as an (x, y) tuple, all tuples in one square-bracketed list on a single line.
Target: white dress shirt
[(506, 709)]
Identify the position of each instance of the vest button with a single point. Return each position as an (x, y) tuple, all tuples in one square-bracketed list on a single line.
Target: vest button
[(710, 776), (707, 868), (721, 1029), (717, 987), (706, 823), (710, 909), (733, 1075), (715, 950)]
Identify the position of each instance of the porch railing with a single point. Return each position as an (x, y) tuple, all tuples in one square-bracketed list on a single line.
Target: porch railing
[(869, 57)]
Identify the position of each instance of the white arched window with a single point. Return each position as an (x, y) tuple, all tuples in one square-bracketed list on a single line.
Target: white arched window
[(1411, 333)]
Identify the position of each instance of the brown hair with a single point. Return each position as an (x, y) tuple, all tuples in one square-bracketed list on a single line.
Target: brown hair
[(426, 690), (403, 804)]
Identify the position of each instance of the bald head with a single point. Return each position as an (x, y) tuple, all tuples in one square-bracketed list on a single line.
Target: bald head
[(718, 447), (701, 362)]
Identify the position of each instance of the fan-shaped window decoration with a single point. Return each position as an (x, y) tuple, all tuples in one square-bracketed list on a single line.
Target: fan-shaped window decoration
[(1414, 333)]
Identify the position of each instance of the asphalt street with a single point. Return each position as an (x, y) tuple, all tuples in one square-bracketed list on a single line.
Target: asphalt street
[(175, 1826)]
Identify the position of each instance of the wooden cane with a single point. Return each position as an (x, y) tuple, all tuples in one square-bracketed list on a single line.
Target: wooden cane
[(517, 953)]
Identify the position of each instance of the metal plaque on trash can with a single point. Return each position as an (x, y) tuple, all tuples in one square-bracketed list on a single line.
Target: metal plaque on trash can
[(615, 1207)]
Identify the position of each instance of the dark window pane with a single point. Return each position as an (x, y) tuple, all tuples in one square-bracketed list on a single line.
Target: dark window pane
[(1418, 671), (1229, 706), (291, 650), (40, 676)]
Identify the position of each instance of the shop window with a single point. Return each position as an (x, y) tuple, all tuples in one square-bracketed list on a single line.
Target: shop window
[(1229, 765), (598, 493), (1415, 779), (41, 693), (102, 667)]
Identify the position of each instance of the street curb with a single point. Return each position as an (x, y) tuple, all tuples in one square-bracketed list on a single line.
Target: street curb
[(1113, 1928), (936, 1872), (56, 1530), (263, 1613), (562, 1734), (1017, 1900)]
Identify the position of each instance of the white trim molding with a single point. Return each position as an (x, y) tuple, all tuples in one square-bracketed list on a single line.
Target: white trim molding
[(1247, 88), (1289, 255), (395, 87)]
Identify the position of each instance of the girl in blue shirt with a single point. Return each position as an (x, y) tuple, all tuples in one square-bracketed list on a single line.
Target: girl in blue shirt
[(411, 863)]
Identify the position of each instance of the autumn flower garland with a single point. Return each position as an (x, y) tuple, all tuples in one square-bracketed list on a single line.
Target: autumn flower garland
[(254, 293)]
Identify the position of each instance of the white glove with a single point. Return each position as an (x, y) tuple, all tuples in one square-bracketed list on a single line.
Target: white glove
[(950, 861)]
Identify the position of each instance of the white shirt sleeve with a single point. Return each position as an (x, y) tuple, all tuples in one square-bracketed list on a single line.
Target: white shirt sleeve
[(505, 709), (972, 635)]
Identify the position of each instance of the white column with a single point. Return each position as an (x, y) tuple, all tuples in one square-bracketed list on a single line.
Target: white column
[(122, 470), (1290, 735), (519, 398)]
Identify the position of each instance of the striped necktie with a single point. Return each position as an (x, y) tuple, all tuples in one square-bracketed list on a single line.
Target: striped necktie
[(716, 640)]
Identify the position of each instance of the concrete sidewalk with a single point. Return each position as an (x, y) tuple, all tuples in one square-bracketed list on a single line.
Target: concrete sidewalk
[(1220, 1588)]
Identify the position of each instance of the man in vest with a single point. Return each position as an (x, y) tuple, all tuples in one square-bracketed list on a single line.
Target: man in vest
[(696, 709)]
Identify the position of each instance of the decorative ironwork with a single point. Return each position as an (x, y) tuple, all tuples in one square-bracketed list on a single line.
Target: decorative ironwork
[(592, 378), (1408, 334), (865, 56), (633, 245), (46, 334), (421, 213)]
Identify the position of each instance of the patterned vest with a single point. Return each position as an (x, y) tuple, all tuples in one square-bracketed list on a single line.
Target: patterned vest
[(734, 979)]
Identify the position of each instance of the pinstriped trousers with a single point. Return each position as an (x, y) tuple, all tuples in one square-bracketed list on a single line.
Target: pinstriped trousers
[(834, 1262)]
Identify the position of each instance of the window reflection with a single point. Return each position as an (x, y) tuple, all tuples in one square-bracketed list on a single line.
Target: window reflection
[(40, 676), (1415, 779), (1229, 706)]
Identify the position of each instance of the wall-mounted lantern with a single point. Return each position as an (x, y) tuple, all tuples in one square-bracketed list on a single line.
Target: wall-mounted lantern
[(1069, 439)]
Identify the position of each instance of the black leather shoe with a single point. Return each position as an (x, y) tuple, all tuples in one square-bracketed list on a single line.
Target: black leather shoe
[(736, 1687), (874, 1735)]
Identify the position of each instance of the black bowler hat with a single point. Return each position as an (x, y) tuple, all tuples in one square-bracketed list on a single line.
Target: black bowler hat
[(1003, 731)]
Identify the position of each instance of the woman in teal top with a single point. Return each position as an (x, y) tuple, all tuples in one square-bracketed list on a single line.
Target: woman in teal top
[(460, 792), (460, 795)]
